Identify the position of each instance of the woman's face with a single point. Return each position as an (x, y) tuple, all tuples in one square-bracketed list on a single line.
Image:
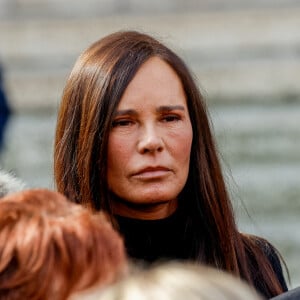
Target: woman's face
[(150, 143)]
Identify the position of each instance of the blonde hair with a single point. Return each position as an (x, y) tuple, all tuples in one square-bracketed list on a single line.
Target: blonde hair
[(180, 281), (50, 247)]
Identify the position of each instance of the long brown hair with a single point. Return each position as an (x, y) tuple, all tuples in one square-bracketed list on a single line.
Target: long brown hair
[(50, 247), (92, 93)]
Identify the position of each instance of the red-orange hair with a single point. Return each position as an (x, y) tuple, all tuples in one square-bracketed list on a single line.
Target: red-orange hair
[(50, 247)]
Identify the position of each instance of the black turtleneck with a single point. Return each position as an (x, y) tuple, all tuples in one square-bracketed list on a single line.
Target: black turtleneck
[(152, 240)]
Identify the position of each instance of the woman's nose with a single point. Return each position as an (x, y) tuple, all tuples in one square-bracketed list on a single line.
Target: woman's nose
[(150, 141)]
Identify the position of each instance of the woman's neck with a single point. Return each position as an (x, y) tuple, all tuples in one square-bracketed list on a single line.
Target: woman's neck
[(147, 211)]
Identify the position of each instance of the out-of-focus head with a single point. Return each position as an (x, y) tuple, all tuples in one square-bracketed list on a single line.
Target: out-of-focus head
[(50, 247), (91, 97), (178, 281)]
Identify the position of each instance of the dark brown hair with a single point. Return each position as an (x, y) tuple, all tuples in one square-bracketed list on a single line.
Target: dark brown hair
[(50, 247), (92, 93)]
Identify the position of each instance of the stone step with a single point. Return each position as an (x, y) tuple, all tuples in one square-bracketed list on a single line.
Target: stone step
[(258, 134), (210, 33), (91, 8)]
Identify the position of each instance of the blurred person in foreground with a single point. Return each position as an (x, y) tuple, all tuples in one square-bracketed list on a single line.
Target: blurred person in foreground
[(50, 247), (134, 139), (176, 281)]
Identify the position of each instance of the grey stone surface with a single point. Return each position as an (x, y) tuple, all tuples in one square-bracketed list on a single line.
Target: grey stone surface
[(248, 55), (237, 55)]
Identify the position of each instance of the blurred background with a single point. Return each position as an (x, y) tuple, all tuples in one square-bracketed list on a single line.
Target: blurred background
[(245, 56)]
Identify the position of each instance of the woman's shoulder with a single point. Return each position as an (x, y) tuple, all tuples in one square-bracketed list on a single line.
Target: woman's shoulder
[(261, 244), (268, 250)]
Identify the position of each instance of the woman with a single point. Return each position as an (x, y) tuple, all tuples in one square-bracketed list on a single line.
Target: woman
[(133, 139)]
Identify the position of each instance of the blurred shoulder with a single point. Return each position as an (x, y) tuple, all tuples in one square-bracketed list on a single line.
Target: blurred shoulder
[(289, 295)]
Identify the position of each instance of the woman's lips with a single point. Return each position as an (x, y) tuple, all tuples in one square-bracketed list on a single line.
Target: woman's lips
[(152, 173)]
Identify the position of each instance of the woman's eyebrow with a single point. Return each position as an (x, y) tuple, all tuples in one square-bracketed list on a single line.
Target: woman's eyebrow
[(170, 108), (159, 109), (125, 112)]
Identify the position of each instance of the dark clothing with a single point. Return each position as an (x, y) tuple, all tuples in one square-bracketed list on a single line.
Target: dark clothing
[(152, 240), (4, 111), (293, 294), (167, 239)]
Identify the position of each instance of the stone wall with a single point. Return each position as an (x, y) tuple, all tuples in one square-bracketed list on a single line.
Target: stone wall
[(239, 52)]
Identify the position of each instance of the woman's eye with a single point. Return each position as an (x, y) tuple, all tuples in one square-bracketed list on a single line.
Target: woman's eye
[(171, 118), (121, 123)]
